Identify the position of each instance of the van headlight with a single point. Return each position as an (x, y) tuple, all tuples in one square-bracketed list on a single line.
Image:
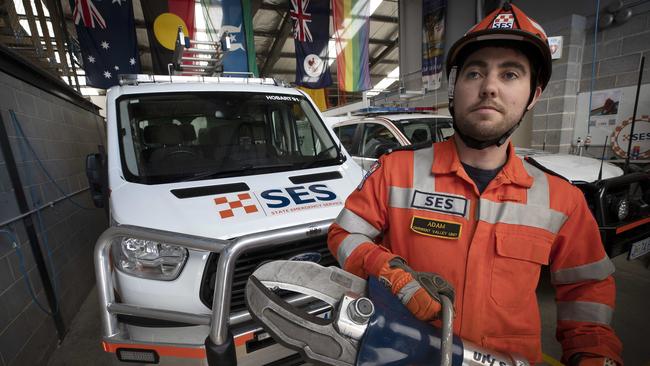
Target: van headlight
[(149, 259)]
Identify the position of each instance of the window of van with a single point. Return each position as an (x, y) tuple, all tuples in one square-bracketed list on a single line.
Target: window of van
[(176, 137)]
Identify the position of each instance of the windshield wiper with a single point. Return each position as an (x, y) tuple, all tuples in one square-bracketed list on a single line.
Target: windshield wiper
[(242, 169), (339, 157)]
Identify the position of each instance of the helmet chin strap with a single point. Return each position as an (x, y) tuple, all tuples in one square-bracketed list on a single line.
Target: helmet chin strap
[(469, 140)]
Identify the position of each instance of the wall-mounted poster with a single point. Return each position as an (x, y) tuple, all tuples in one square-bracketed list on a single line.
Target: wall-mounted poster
[(604, 108), (610, 118), (640, 138), (555, 44)]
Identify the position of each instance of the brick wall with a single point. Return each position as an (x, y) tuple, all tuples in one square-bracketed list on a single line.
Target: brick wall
[(618, 54), (62, 133), (554, 114)]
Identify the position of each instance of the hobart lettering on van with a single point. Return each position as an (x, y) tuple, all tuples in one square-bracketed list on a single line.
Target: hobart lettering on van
[(282, 98)]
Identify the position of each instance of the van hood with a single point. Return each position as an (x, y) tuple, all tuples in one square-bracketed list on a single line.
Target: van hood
[(231, 207), (576, 168)]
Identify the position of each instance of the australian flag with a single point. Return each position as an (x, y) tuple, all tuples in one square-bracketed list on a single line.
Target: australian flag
[(107, 39), (311, 25)]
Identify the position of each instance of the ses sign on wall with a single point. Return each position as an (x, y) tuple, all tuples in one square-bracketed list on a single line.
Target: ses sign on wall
[(640, 138), (610, 119)]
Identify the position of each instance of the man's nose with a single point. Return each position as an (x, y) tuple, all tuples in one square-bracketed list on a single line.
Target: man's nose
[(489, 87)]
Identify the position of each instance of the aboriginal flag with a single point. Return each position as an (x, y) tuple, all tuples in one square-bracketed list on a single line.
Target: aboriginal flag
[(162, 18)]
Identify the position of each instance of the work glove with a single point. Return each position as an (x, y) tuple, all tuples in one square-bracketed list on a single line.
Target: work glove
[(419, 291)]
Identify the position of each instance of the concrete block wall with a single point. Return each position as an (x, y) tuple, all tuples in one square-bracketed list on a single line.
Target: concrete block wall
[(618, 54), (62, 133), (554, 114)]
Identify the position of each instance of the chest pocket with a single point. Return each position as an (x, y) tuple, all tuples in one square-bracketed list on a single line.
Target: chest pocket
[(516, 267)]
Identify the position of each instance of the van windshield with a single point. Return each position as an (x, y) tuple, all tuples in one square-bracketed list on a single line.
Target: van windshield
[(191, 136)]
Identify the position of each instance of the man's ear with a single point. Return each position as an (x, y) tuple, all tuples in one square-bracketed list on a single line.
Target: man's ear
[(538, 92)]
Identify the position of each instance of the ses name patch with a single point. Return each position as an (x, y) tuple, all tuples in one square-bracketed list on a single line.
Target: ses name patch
[(436, 228)]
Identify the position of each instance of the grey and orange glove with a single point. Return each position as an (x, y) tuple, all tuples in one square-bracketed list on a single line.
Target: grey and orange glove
[(419, 291)]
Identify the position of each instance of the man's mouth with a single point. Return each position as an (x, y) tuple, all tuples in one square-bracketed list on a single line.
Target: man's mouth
[(486, 108)]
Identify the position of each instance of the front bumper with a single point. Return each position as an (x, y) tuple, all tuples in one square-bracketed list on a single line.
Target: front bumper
[(226, 331)]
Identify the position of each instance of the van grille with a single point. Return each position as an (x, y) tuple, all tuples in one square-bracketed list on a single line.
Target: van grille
[(249, 261)]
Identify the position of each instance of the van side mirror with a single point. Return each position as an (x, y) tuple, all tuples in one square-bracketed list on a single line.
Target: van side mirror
[(94, 173)]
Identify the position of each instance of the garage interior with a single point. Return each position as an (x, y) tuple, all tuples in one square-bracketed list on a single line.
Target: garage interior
[(51, 121)]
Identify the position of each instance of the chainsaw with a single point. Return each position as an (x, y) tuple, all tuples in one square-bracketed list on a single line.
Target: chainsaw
[(368, 325)]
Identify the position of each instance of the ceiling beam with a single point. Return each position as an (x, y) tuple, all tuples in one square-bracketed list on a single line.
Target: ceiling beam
[(293, 72), (281, 8), (273, 34), (380, 57), (376, 60), (276, 49)]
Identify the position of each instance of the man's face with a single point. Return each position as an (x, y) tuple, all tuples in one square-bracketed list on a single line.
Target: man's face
[(491, 92)]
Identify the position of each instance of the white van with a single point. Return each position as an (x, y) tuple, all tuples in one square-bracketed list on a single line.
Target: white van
[(207, 178)]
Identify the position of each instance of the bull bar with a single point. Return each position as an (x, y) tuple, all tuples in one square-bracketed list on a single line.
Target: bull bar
[(219, 344)]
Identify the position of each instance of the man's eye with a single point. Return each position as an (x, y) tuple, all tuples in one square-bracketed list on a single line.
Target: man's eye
[(510, 75), (472, 75)]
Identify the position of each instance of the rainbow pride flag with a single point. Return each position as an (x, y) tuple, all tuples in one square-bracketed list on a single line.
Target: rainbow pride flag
[(351, 32)]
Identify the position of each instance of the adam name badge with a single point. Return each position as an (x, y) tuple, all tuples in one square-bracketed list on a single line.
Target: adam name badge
[(436, 228)]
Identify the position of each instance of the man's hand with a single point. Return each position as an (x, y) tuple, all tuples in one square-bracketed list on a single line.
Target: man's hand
[(391, 269), (408, 290)]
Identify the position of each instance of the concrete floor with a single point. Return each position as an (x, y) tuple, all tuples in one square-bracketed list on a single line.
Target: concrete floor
[(631, 321)]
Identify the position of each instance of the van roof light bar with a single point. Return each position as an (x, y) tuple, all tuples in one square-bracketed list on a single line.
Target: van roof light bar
[(136, 79)]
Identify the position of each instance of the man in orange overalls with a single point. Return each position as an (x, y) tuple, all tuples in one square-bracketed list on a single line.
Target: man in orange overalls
[(473, 212)]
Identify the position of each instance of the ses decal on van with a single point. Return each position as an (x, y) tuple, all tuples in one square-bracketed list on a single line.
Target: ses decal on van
[(297, 198), (277, 201), (228, 204)]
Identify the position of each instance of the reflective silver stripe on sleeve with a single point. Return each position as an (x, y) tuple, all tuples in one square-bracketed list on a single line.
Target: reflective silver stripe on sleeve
[(399, 197), (355, 224), (588, 272), (582, 311), (348, 245), (521, 214), (537, 194), (406, 293), (423, 179)]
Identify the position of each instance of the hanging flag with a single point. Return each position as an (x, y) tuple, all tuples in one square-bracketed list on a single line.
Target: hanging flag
[(433, 42), (311, 26), (162, 19), (351, 32), (319, 96), (107, 40), (227, 16)]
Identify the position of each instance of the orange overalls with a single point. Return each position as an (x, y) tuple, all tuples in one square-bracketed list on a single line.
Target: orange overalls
[(422, 206)]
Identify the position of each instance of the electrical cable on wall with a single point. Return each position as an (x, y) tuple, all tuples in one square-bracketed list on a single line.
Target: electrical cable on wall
[(23, 270), (40, 163), (41, 227), (593, 64)]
